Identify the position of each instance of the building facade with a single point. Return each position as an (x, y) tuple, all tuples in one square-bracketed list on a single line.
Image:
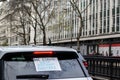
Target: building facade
[(100, 33), (11, 30)]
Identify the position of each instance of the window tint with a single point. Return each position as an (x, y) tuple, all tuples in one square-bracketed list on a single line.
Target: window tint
[(70, 69), (22, 63), (28, 56)]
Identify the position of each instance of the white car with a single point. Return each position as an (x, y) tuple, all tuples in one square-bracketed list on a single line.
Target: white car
[(41, 63)]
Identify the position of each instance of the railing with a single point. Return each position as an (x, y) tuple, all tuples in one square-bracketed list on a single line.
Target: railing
[(104, 66)]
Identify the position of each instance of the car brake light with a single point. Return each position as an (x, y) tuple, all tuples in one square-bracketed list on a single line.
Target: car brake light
[(43, 52), (85, 63)]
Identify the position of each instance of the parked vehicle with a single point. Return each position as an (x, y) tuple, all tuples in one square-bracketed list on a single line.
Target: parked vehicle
[(83, 59), (41, 63)]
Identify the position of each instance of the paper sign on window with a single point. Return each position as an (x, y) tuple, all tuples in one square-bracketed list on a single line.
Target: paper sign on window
[(47, 64)]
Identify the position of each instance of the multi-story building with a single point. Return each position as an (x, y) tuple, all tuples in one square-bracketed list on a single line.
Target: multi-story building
[(3, 27), (10, 26), (101, 30)]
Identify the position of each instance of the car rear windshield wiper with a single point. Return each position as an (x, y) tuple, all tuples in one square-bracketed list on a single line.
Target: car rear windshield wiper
[(38, 76)]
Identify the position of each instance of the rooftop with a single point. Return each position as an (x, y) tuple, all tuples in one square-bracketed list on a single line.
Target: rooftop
[(8, 49)]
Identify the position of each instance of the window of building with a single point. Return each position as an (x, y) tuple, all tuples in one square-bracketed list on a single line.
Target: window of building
[(118, 11), (108, 13), (117, 20), (100, 29), (113, 28), (105, 5), (83, 33), (118, 2), (96, 24), (104, 13), (101, 4), (113, 11), (96, 16), (104, 30), (89, 32), (113, 3), (108, 28), (104, 22), (93, 32), (117, 23), (101, 25), (117, 28), (86, 32), (100, 14), (108, 3), (113, 20)]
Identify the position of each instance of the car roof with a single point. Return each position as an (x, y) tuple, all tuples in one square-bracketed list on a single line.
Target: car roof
[(10, 49)]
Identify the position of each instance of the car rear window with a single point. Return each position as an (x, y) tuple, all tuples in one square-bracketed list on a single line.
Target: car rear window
[(23, 66)]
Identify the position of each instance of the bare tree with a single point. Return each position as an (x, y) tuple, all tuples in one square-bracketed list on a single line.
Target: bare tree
[(39, 12), (25, 29), (27, 9), (78, 11), (43, 10), (34, 25), (19, 16)]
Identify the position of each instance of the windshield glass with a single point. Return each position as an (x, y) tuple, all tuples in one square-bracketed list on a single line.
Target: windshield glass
[(69, 69)]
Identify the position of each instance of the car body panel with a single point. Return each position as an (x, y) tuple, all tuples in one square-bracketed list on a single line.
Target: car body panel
[(4, 50), (88, 78), (31, 49)]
